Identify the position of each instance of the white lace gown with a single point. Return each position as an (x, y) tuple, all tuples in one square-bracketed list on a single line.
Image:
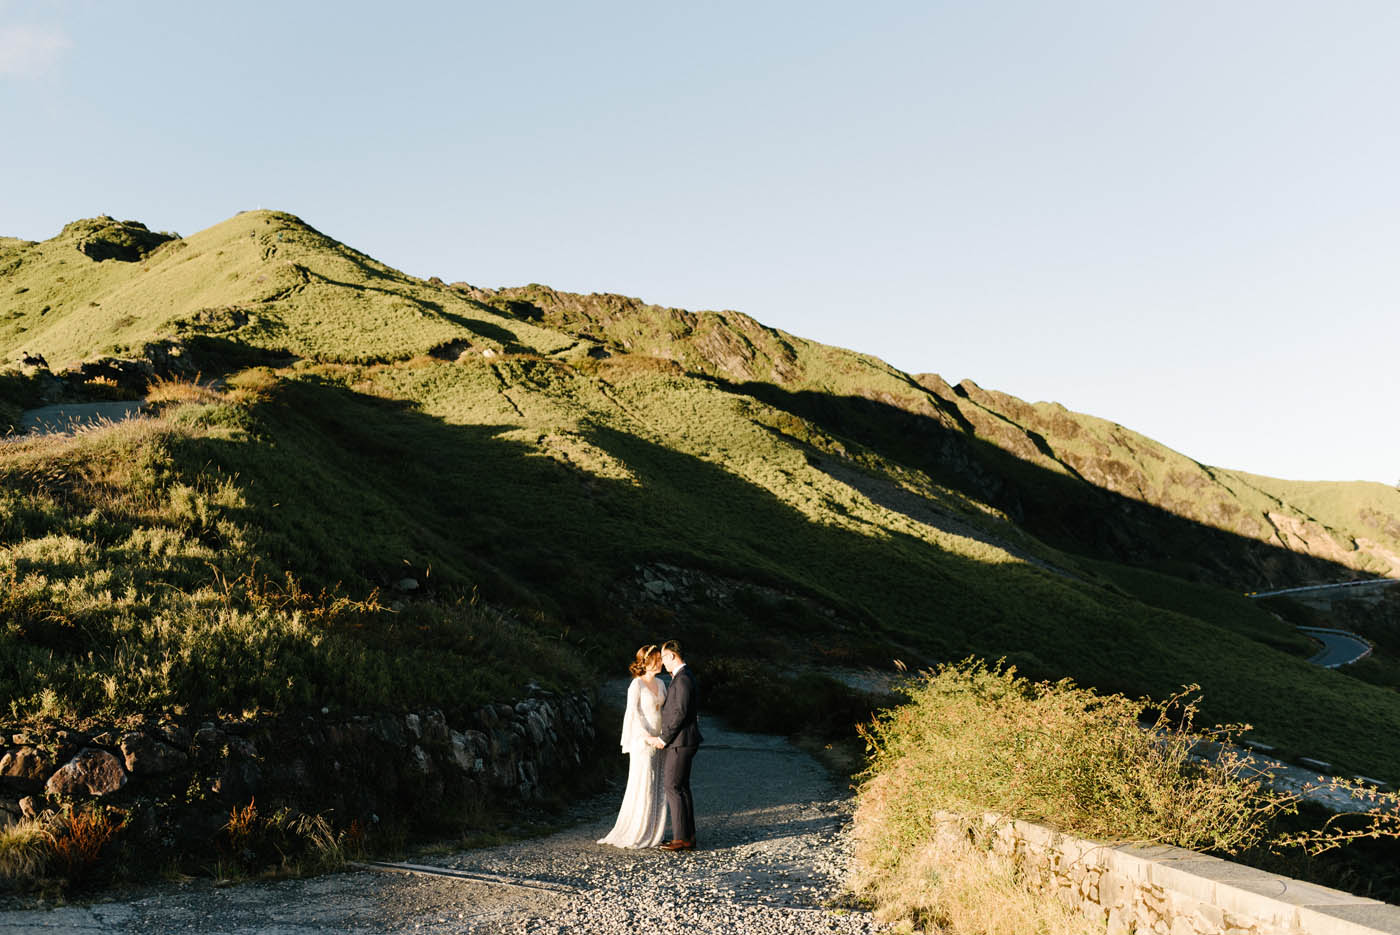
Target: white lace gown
[(642, 819)]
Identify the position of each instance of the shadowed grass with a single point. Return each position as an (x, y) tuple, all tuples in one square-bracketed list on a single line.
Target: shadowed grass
[(139, 559), (483, 443)]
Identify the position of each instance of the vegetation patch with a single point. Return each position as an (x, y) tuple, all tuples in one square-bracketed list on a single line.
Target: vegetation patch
[(977, 739)]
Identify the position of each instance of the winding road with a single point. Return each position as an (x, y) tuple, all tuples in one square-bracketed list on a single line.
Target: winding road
[(1339, 647)]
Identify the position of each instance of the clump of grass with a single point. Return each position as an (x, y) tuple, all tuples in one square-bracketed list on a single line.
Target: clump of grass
[(957, 883), (286, 842), (62, 849), (178, 391), (26, 850), (80, 837), (981, 738), (978, 738)]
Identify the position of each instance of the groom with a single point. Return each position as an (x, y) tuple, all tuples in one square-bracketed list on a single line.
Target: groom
[(680, 738)]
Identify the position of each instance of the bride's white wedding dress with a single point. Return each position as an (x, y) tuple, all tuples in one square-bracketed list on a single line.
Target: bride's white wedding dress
[(642, 818)]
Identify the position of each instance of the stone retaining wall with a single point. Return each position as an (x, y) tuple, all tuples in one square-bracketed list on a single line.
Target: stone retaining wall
[(1172, 891), (178, 778)]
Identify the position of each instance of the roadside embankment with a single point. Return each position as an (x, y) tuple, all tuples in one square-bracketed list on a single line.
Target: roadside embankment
[(175, 790), (986, 793)]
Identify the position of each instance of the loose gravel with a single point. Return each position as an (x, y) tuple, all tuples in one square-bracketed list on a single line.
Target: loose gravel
[(773, 834)]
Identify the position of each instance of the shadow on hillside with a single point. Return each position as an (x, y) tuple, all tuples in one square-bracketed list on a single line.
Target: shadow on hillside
[(1062, 510), (346, 487)]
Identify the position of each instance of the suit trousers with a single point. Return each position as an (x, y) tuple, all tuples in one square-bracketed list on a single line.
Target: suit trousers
[(675, 778)]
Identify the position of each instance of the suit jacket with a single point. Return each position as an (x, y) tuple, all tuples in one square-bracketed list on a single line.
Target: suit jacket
[(680, 726)]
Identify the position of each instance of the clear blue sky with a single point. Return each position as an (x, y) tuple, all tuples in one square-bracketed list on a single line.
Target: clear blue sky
[(1184, 217)]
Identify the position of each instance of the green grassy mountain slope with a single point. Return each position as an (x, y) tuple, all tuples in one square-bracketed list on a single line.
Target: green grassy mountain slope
[(1351, 525), (557, 478), (1078, 481), (262, 279)]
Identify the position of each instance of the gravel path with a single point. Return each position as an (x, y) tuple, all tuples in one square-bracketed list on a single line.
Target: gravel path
[(772, 829)]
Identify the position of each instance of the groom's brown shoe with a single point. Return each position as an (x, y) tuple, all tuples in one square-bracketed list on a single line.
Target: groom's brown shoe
[(678, 846)]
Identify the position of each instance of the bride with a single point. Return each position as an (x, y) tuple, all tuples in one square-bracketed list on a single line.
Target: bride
[(642, 818)]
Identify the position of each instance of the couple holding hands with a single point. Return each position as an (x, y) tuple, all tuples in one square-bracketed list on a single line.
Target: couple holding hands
[(660, 734)]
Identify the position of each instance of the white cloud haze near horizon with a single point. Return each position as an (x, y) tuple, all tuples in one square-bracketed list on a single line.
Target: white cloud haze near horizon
[(1182, 218)]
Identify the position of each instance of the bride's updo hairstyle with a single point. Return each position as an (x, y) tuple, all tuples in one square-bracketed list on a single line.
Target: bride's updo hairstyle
[(645, 656)]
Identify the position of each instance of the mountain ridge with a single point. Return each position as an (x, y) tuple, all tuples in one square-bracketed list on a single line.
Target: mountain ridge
[(542, 449), (269, 280)]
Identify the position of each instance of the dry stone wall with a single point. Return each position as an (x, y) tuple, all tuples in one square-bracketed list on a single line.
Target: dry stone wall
[(1139, 889), (177, 778)]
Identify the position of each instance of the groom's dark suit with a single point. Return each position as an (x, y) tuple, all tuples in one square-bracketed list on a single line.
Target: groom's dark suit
[(681, 732)]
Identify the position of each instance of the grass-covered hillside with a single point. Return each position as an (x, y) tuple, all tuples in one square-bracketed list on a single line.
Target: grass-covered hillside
[(1075, 480), (387, 491)]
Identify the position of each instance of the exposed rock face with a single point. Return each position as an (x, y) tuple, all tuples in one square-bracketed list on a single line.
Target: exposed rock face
[(25, 767), (105, 238), (181, 779), (92, 771), (725, 344), (146, 756)]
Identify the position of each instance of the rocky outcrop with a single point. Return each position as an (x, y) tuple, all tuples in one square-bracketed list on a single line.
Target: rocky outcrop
[(726, 344), (409, 769), (106, 238)]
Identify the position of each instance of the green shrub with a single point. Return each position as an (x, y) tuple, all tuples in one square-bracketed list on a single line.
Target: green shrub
[(979, 738), (976, 739)]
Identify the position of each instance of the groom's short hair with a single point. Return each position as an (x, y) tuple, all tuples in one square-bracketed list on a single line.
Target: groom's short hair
[(673, 647)]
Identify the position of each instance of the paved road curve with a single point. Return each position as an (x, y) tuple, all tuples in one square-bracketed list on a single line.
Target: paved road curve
[(1339, 647)]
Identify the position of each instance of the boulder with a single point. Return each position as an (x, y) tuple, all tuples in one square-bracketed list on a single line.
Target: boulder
[(174, 734), (419, 763), (208, 742), (25, 765), (460, 752), (435, 730), (146, 756), (535, 727), (92, 771), (240, 776)]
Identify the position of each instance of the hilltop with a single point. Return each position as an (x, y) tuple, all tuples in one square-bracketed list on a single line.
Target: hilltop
[(535, 481)]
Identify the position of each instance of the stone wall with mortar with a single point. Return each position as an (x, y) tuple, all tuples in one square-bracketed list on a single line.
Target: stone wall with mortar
[(178, 778), (1140, 889)]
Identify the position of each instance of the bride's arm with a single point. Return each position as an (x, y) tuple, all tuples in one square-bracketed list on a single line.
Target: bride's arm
[(632, 723), (646, 727)]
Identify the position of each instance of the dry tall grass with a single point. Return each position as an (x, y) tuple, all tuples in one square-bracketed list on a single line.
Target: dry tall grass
[(80, 837), (955, 883), (977, 739), (285, 842), (26, 850)]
